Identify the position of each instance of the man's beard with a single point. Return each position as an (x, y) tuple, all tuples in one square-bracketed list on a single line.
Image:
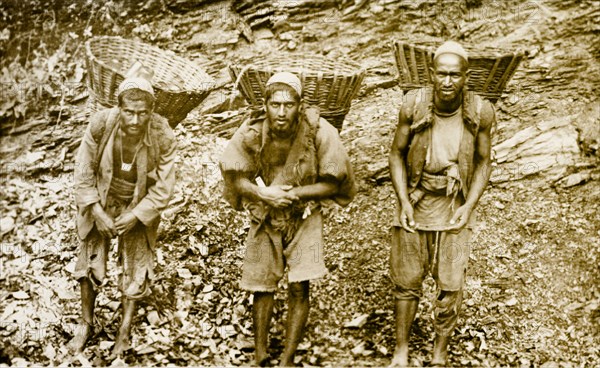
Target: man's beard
[(283, 127)]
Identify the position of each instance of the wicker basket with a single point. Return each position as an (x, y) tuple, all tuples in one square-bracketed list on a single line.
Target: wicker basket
[(329, 84), (491, 68), (179, 84), (92, 105)]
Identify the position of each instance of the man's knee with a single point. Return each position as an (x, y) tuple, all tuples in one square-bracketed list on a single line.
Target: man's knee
[(401, 293), (91, 278), (448, 303), (299, 290), (449, 297)]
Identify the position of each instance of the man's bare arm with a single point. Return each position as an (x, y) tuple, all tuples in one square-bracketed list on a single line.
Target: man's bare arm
[(483, 167), (246, 188), (277, 196), (320, 190), (398, 170), (397, 162)]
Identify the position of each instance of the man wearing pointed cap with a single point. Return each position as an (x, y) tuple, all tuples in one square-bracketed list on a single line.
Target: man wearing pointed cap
[(440, 167), (124, 177), (279, 166)]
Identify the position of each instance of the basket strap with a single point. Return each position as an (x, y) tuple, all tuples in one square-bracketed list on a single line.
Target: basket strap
[(413, 62), (405, 68), (113, 87), (478, 107), (491, 76), (509, 71), (416, 105), (344, 90), (111, 123), (319, 81), (236, 84)]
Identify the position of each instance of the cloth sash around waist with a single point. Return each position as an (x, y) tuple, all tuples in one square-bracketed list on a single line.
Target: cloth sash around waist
[(121, 189)]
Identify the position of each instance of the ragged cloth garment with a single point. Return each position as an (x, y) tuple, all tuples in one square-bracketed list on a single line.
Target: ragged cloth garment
[(431, 249), (135, 255), (440, 168), (438, 194), (98, 181), (316, 154), (442, 165)]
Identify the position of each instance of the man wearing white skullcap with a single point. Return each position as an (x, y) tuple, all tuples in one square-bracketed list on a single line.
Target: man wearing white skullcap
[(279, 165), (440, 166), (124, 177), (286, 78), (451, 47), (135, 83)]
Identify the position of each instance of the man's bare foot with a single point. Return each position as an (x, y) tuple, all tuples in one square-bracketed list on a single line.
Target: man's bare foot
[(440, 351), (400, 358), (83, 333), (287, 363), (262, 361), (438, 362), (121, 345)]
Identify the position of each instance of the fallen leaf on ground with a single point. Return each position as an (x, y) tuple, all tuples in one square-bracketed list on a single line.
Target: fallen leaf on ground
[(21, 295), (357, 322)]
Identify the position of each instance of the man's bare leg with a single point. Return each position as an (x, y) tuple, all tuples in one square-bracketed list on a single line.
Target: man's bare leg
[(262, 313), (406, 309), (447, 308), (299, 304), (84, 330), (122, 340), (440, 350)]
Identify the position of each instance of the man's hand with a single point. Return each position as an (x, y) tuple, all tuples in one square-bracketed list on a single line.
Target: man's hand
[(125, 222), (461, 217), (104, 222), (407, 220), (278, 196)]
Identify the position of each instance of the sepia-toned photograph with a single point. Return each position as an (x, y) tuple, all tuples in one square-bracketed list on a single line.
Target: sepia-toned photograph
[(300, 183)]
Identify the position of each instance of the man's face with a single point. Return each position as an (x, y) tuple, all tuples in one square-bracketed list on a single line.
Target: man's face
[(282, 111), (449, 76), (134, 117)]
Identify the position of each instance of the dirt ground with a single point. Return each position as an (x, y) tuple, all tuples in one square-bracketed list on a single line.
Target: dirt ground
[(532, 292)]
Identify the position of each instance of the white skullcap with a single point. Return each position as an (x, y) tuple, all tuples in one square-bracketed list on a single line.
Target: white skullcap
[(135, 83), (451, 47), (287, 78)]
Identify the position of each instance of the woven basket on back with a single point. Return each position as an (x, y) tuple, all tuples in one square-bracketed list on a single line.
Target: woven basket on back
[(92, 105), (179, 84), (329, 84), (491, 69)]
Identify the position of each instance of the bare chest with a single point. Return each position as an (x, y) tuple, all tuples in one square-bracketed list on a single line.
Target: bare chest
[(276, 152), (129, 151)]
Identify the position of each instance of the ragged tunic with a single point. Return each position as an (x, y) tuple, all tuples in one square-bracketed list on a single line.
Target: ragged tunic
[(292, 235), (155, 170), (317, 154), (144, 189), (440, 198), (440, 159)]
